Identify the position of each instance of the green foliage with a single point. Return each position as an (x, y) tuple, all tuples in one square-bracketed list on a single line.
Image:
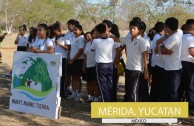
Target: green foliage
[(38, 72)]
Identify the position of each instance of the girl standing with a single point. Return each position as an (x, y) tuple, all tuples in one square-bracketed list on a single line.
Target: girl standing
[(75, 59), (90, 68), (22, 39), (43, 44)]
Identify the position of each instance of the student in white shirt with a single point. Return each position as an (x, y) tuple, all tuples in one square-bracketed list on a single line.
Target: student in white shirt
[(115, 30), (69, 36), (144, 87), (187, 59), (157, 64), (104, 59), (136, 56), (61, 47), (32, 38), (43, 44), (89, 67), (172, 63), (22, 39), (75, 59)]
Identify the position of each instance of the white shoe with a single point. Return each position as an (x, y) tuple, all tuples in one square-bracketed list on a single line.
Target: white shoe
[(71, 97)]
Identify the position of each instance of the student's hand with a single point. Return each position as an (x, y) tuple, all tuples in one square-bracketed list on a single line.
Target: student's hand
[(146, 75), (36, 50), (115, 62)]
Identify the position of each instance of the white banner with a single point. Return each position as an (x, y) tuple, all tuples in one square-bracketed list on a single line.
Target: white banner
[(141, 120), (35, 84)]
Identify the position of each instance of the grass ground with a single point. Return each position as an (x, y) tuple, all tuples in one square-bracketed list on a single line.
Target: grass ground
[(73, 113)]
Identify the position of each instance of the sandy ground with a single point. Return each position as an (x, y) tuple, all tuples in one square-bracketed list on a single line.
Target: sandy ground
[(73, 113)]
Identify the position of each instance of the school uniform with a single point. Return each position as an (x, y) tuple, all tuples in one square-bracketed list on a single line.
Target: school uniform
[(187, 80), (104, 66), (63, 52), (22, 42), (75, 69), (157, 72), (90, 63), (134, 66), (43, 44), (172, 68)]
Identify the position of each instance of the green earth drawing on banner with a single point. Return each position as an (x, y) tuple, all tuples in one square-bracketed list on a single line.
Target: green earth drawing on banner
[(33, 71)]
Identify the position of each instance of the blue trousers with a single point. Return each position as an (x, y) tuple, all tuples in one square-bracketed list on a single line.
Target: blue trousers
[(104, 76)]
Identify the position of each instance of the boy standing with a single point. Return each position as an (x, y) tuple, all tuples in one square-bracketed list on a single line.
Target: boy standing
[(137, 61), (104, 67)]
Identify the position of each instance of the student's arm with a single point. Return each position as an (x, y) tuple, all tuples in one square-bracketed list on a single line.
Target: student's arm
[(84, 62), (65, 46), (16, 41), (80, 52), (117, 57), (115, 38), (49, 50), (143, 50), (170, 42), (145, 58), (68, 55), (157, 44)]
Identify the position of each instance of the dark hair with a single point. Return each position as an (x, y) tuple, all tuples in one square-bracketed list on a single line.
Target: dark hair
[(115, 30), (72, 21), (186, 27), (190, 21), (32, 36), (135, 23), (60, 25), (136, 19), (86, 34), (172, 23), (50, 32), (56, 26), (76, 22), (93, 30), (101, 28), (159, 27), (78, 26), (108, 23), (23, 27), (151, 33), (45, 27), (142, 26)]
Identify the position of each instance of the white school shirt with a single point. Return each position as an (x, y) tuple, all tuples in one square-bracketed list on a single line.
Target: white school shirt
[(135, 49), (147, 40), (59, 49), (22, 40), (90, 60), (43, 44), (76, 44), (33, 40), (69, 35), (157, 59), (173, 42), (187, 42), (104, 49)]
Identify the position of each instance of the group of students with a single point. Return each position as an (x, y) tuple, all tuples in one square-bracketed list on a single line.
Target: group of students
[(165, 56)]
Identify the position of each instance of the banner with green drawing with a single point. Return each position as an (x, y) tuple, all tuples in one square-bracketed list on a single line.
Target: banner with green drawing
[(35, 84)]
